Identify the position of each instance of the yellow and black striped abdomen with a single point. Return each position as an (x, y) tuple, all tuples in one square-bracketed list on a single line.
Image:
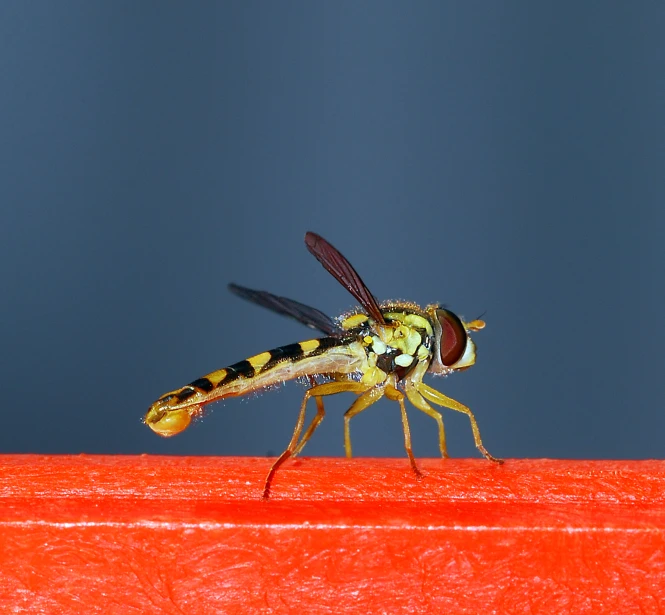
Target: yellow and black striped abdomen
[(173, 411)]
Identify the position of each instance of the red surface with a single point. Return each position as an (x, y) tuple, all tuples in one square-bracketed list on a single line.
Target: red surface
[(191, 535)]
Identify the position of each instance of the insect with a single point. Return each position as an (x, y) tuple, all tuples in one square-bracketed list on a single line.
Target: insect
[(373, 351)]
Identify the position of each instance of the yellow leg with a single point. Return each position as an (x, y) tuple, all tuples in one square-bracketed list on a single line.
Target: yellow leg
[(443, 400), (395, 395), (316, 421), (328, 388), (417, 400), (320, 412), (362, 403)]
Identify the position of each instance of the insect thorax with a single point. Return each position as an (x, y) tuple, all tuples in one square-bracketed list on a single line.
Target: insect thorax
[(394, 348)]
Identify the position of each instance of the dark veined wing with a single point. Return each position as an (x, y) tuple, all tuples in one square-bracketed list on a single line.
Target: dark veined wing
[(340, 268), (309, 316)]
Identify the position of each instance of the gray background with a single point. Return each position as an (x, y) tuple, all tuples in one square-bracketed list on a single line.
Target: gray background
[(506, 157)]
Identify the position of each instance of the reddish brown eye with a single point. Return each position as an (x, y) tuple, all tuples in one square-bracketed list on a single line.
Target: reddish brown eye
[(453, 337)]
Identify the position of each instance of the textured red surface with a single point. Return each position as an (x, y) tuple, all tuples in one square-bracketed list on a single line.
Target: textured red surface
[(191, 535)]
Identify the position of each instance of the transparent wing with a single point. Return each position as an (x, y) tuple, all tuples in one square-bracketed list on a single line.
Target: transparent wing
[(308, 316), (340, 268)]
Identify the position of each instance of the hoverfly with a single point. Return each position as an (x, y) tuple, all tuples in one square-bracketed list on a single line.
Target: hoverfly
[(379, 349)]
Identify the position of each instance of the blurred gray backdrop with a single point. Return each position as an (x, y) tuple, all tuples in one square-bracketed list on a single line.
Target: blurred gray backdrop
[(506, 157)]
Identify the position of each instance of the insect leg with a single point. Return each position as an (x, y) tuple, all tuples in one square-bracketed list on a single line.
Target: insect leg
[(320, 412), (419, 402), (362, 403), (395, 395), (328, 388), (443, 400)]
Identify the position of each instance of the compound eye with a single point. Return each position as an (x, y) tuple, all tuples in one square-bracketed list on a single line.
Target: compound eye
[(453, 337)]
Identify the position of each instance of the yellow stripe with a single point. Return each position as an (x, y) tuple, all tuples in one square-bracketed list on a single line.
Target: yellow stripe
[(217, 377), (258, 361), (354, 321), (413, 320), (309, 345)]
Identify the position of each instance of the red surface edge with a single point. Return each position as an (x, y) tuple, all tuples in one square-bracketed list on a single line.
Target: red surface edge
[(191, 535)]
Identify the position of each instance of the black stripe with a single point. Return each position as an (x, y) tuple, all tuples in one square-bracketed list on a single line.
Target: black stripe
[(242, 369), (293, 352), (185, 393), (328, 342), (203, 384), (290, 351)]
